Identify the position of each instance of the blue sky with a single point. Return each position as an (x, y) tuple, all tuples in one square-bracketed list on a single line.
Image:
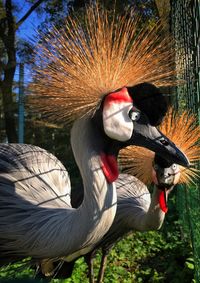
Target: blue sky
[(27, 30)]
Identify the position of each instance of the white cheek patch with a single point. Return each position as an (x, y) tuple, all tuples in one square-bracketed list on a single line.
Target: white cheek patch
[(177, 175), (116, 121)]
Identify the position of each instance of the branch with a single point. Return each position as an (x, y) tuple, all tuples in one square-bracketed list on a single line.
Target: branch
[(28, 13)]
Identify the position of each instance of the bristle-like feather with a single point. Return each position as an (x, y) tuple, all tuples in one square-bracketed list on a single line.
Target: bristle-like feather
[(85, 60), (184, 131)]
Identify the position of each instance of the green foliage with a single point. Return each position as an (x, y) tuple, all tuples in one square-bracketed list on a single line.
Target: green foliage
[(149, 257), (18, 271), (188, 199)]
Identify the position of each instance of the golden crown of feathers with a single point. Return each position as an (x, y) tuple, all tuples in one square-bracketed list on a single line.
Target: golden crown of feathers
[(184, 131), (86, 59)]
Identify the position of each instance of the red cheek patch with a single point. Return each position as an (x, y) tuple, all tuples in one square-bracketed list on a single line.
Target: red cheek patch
[(109, 167)]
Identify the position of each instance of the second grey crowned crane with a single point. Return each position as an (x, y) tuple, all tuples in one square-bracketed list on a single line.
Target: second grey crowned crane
[(36, 216)]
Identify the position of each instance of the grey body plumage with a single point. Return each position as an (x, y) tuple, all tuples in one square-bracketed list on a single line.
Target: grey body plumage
[(137, 210), (36, 216)]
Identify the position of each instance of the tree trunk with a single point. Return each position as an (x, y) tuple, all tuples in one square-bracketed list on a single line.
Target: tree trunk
[(8, 106), (8, 28), (7, 35)]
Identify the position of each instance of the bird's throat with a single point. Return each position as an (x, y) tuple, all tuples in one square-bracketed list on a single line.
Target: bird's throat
[(109, 167)]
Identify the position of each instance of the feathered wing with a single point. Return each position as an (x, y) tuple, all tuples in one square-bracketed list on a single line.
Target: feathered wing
[(80, 63), (30, 170), (33, 185), (184, 131)]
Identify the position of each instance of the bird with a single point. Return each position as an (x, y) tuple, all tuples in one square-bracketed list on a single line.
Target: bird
[(76, 82), (136, 209)]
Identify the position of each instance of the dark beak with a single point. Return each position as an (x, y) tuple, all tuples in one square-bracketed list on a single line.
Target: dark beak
[(150, 137)]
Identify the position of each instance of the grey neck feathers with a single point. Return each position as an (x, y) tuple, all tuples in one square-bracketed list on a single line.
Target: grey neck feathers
[(136, 209), (96, 213), (155, 216)]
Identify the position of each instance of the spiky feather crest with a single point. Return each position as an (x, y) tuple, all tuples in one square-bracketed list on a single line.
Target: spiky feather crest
[(184, 131), (85, 60)]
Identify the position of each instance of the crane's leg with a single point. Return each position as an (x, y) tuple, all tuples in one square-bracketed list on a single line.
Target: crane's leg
[(89, 258), (39, 273), (91, 270), (47, 267), (50, 270), (102, 268)]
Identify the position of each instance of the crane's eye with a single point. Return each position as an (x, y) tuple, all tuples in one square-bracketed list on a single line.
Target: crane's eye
[(134, 115), (164, 141), (174, 166)]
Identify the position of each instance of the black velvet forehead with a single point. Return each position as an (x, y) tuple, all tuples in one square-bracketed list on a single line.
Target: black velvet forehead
[(150, 101), (161, 162)]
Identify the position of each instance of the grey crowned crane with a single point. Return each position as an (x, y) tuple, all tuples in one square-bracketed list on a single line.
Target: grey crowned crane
[(80, 78), (137, 210)]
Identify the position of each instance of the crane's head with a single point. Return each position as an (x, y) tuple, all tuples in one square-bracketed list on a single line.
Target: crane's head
[(164, 173), (130, 117), (165, 176)]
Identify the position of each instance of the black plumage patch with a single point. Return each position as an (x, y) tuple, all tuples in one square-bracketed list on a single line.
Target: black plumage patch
[(163, 163), (149, 99)]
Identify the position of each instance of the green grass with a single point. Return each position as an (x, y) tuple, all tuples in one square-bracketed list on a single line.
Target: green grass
[(144, 257), (140, 257)]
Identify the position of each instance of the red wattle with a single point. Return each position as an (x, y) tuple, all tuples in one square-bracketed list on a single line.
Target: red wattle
[(162, 201), (109, 167)]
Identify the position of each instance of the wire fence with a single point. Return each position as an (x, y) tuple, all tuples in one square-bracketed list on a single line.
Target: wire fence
[(185, 17)]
